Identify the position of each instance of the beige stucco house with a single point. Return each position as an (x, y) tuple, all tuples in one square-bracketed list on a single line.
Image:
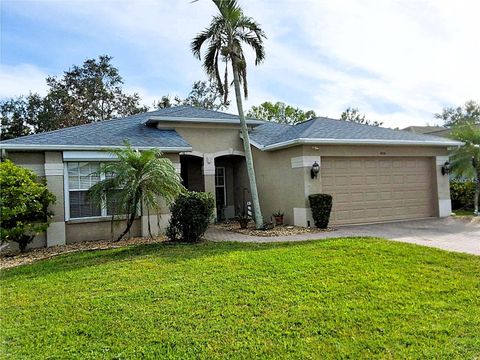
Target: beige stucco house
[(374, 174)]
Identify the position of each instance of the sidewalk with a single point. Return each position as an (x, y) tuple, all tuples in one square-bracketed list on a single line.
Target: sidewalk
[(452, 234)]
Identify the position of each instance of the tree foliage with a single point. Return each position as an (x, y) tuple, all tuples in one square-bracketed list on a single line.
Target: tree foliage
[(167, 101), (280, 112), (469, 113), (24, 203), (84, 94), (462, 193), (137, 179), (228, 31), (354, 115), (466, 159), (204, 94)]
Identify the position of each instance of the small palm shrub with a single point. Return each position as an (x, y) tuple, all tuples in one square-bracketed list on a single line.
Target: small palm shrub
[(24, 202), (190, 215), (137, 179), (321, 205)]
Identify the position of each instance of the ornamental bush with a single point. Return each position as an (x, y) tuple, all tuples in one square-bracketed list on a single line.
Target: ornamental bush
[(191, 213), (24, 202), (321, 205), (462, 194)]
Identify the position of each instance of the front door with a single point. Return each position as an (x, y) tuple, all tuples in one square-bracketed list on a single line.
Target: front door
[(220, 192)]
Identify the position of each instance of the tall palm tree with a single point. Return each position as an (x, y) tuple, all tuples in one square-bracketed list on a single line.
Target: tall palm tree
[(466, 159), (227, 32), (136, 179)]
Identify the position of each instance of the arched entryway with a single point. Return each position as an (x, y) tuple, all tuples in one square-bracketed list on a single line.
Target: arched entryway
[(231, 186), (191, 172)]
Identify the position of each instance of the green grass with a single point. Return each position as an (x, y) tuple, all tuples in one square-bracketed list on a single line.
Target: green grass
[(463, 212), (338, 298)]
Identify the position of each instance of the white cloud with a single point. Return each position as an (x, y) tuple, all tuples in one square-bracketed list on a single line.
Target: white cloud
[(417, 55), (21, 79), (398, 61)]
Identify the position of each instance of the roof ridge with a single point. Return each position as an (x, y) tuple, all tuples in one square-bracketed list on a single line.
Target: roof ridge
[(199, 108)]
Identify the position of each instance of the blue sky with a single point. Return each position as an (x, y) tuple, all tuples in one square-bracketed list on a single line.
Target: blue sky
[(398, 61)]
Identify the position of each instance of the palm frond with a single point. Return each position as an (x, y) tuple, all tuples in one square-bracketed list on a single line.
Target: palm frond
[(256, 45), (225, 35), (138, 177)]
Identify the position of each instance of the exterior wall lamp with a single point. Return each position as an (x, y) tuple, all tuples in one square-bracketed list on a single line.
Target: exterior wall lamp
[(446, 168), (314, 170)]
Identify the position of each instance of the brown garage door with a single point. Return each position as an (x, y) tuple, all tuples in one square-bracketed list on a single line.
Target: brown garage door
[(378, 189)]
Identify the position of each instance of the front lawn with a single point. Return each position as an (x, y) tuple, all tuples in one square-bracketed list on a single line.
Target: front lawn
[(463, 212), (338, 298)]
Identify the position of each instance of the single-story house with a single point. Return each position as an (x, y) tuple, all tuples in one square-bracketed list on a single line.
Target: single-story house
[(374, 174)]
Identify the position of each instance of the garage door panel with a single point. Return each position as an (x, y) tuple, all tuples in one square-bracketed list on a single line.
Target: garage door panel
[(378, 189)]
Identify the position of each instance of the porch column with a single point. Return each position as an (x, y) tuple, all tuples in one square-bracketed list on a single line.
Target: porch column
[(54, 175), (443, 188), (209, 177), (302, 216)]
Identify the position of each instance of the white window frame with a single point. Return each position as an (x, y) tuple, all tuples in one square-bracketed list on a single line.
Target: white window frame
[(103, 209), (224, 183)]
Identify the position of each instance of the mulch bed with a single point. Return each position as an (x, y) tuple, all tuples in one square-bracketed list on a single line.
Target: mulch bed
[(9, 259), (282, 230)]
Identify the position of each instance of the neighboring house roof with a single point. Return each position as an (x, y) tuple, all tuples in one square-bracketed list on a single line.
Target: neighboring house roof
[(103, 134), (323, 130), (429, 130)]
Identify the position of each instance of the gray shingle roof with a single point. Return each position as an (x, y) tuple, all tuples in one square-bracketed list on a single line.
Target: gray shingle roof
[(139, 130), (325, 130), (186, 113), (104, 134), (266, 135)]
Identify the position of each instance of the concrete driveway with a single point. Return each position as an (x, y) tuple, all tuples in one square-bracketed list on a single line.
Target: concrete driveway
[(460, 234)]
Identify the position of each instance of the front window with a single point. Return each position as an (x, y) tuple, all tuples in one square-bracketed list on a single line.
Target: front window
[(81, 177)]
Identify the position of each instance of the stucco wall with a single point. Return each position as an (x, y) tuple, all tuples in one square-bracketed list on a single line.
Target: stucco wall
[(208, 138), (280, 188), (34, 161), (283, 187), (98, 230)]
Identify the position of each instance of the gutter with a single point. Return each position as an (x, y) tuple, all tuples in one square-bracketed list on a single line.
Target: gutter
[(320, 141), (89, 147)]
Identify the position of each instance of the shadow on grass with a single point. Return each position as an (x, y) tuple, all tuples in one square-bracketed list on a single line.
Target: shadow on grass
[(167, 252)]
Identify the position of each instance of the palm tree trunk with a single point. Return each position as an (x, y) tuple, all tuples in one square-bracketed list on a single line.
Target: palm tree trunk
[(477, 194), (130, 220), (247, 149)]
